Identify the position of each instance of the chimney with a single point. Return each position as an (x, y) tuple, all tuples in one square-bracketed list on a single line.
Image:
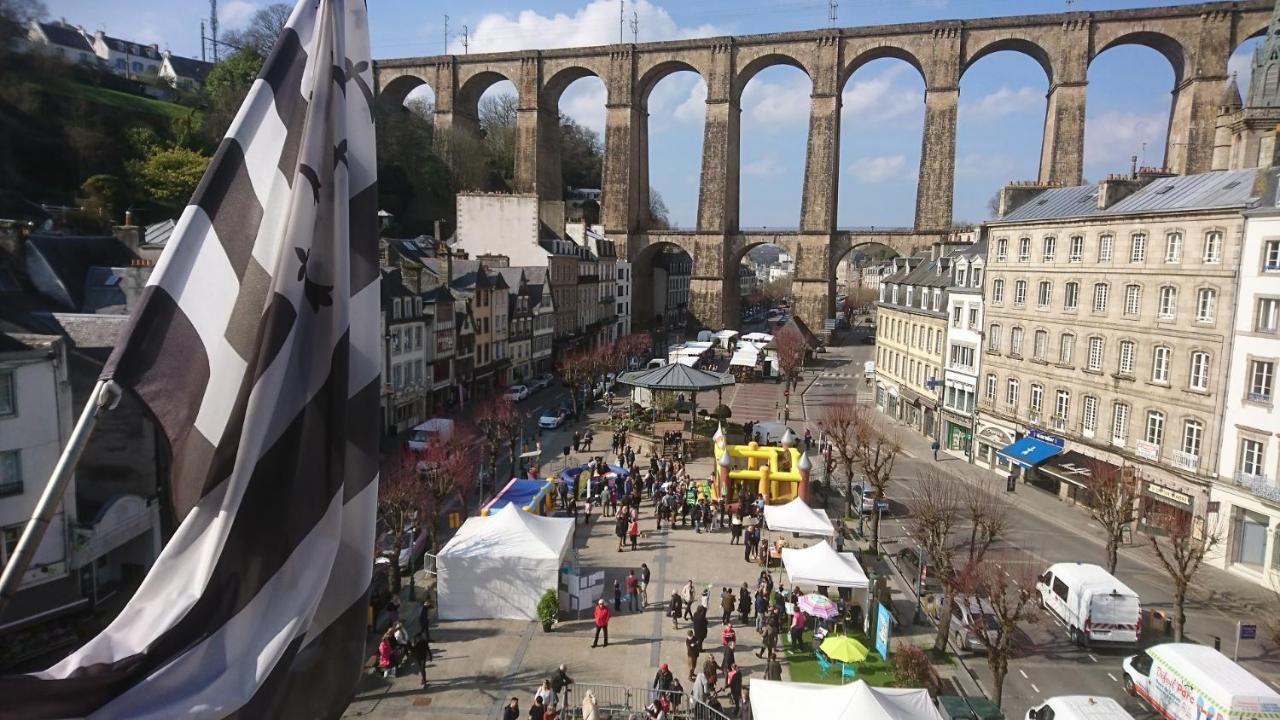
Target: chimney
[(1016, 194), (129, 235), (1115, 188)]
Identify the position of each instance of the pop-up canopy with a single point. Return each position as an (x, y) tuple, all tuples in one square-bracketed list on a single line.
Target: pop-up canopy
[(774, 700), (822, 565), (499, 566), (797, 517)]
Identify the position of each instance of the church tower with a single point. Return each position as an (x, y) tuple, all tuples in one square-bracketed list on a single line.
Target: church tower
[(1264, 83)]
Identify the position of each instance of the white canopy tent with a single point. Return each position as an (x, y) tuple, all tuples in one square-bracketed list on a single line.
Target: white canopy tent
[(797, 517), (499, 566), (821, 565), (744, 357), (774, 700), (758, 337), (726, 336)]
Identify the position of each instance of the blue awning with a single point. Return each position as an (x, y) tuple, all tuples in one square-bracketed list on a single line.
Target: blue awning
[(1029, 452)]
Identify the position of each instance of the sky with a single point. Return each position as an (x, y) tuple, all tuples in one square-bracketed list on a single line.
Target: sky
[(1002, 96)]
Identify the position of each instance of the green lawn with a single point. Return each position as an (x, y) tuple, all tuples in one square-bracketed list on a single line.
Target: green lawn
[(874, 670), (117, 99)]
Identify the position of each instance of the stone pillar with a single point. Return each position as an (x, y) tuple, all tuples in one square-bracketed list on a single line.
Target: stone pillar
[(625, 127), (709, 284), (1062, 150), (821, 168), (718, 191), (813, 286), (937, 159), (537, 135), (1194, 115)]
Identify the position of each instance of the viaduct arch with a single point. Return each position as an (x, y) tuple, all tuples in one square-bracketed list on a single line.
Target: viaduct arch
[(1196, 40)]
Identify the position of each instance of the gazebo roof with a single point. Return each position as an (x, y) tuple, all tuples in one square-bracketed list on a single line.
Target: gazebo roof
[(675, 376)]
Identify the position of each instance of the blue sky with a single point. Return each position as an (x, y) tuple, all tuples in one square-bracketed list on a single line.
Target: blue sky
[(1001, 97)]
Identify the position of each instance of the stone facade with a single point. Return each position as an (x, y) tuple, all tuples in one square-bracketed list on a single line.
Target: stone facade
[(911, 328)]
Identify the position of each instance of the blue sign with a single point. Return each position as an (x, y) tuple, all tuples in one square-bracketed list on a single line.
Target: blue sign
[(882, 504), (1248, 632), (1046, 437), (883, 620)]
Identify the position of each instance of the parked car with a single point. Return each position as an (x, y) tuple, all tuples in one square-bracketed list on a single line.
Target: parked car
[(430, 432), (909, 563), (1093, 604), (541, 382), (552, 419), (518, 392), (969, 613)]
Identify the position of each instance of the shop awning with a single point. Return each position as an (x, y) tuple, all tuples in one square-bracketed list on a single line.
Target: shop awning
[(1029, 452), (1075, 468)]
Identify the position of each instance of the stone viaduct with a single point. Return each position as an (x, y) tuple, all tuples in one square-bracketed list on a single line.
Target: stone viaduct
[(1196, 40)]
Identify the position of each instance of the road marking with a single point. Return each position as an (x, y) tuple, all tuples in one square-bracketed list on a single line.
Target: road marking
[(1091, 657), (1033, 687), (1113, 677), (1024, 674)]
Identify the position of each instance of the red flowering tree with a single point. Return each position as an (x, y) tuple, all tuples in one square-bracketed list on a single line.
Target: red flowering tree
[(791, 349), (498, 422), (578, 368), (403, 501), (447, 471)]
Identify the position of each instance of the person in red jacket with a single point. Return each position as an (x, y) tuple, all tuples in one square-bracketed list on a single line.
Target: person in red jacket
[(602, 622)]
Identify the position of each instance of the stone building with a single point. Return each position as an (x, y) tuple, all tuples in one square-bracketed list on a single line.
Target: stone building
[(672, 270), (544, 318), (1244, 133), (1108, 322), (520, 323), (964, 349), (1247, 493), (485, 292), (911, 326), (406, 376)]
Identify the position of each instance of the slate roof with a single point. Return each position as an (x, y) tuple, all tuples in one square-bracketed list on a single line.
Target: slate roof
[(133, 48), (1203, 191), (66, 36), (190, 67), (70, 257), (22, 342), (158, 233)]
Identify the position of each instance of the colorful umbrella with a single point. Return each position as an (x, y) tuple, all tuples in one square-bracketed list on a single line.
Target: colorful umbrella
[(818, 606), (843, 648)]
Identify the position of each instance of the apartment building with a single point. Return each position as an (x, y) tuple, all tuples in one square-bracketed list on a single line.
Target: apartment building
[(964, 349), (486, 294), (623, 300), (911, 323), (542, 302), (406, 379), (1108, 321)]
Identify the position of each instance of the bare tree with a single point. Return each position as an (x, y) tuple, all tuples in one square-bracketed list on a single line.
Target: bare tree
[(875, 454), (659, 216), (1010, 588), (1114, 492), (838, 423), (403, 501), (790, 347), (264, 28), (1181, 549), (499, 424), (577, 368), (447, 469)]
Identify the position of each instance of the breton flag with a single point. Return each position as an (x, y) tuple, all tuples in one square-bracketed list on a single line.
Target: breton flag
[(256, 349)]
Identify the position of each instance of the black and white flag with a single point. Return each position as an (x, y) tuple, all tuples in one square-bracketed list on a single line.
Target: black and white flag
[(256, 348)]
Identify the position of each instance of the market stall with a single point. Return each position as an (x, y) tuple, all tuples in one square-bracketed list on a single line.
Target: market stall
[(498, 566), (820, 564), (797, 517), (775, 700)]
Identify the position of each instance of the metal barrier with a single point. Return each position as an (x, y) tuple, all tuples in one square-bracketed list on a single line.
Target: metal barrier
[(615, 702)]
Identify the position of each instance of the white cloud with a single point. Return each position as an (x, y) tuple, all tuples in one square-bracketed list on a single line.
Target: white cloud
[(998, 168), (594, 24), (694, 107), (236, 13), (777, 103), (882, 97), (767, 166), (584, 102), (879, 168), (1111, 137), (1004, 101)]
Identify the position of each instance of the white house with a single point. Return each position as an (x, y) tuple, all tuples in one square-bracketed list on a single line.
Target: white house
[(963, 352), (63, 40), (183, 73), (1247, 494), (127, 58)]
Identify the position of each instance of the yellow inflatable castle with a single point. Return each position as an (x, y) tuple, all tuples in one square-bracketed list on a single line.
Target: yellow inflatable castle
[(779, 473)]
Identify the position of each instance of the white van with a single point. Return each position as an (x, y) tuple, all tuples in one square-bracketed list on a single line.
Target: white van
[(1079, 707), (430, 432), (869, 370), (1095, 606), (1181, 681)]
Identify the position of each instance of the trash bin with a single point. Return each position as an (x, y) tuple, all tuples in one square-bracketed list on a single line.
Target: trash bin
[(1160, 622)]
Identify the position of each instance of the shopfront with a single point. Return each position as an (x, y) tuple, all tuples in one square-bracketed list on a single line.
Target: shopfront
[(989, 441), (912, 408), (1026, 453), (957, 438), (1073, 474), (1249, 517), (1163, 508)]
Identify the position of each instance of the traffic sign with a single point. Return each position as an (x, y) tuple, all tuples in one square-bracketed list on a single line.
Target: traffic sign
[(1248, 632), (882, 504)]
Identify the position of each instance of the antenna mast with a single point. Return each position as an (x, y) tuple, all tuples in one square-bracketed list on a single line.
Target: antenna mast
[(832, 5), (466, 40), (446, 34), (213, 27), (635, 27), (622, 13)]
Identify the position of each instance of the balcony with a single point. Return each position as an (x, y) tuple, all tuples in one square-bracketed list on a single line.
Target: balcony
[(1260, 485), (1185, 461), (1058, 423)]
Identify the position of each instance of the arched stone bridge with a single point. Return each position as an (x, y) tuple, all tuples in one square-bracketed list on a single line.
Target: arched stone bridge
[(1196, 40)]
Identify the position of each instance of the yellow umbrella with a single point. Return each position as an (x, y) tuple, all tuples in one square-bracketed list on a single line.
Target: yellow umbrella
[(843, 648)]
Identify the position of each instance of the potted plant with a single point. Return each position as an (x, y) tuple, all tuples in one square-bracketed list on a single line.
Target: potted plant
[(549, 609)]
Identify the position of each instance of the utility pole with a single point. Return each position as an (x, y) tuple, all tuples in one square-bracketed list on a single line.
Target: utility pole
[(832, 6), (446, 34), (635, 27), (466, 41), (213, 27), (622, 14), (202, 48)]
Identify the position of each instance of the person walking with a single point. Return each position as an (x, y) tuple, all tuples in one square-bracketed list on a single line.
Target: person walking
[(700, 623), (733, 683), (761, 605), (675, 607), (727, 604), (602, 616), (768, 642), (512, 710), (745, 713), (421, 650), (560, 682), (686, 595), (617, 596), (692, 649), (633, 531), (633, 595), (935, 447), (744, 605)]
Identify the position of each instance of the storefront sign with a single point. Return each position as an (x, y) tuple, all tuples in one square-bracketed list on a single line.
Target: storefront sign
[(1046, 437), (1144, 449), (1161, 491)]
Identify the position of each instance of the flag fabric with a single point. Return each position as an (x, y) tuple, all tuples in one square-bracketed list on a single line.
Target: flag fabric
[(256, 348)]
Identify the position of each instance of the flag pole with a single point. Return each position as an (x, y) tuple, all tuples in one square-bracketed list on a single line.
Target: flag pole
[(105, 396)]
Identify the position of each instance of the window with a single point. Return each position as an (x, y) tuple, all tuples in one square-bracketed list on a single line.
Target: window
[(973, 318), (1024, 249), (1015, 341), (1050, 247), (1261, 378), (8, 394), (1206, 304), (1095, 354), (1037, 398), (1168, 309), (997, 290), (1160, 365), (977, 277), (1132, 299), (1267, 317), (1075, 253), (991, 387), (1138, 248), (956, 313), (1020, 292), (993, 338), (1271, 263), (1173, 247), (1066, 348), (1192, 435), (1106, 247), (961, 275), (1213, 246), (1100, 293), (1040, 345), (1072, 296), (1120, 423), (1127, 348), (1199, 371), (1062, 406), (1090, 414), (11, 475), (1251, 457), (1011, 392), (1045, 296), (1002, 249), (1155, 427)]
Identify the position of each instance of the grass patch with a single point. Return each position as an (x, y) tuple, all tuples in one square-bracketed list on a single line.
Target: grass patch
[(875, 670), (117, 99)]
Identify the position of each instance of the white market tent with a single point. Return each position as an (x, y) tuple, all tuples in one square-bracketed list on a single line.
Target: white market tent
[(774, 700), (725, 336), (797, 517), (745, 357), (499, 566), (758, 337), (821, 565)]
